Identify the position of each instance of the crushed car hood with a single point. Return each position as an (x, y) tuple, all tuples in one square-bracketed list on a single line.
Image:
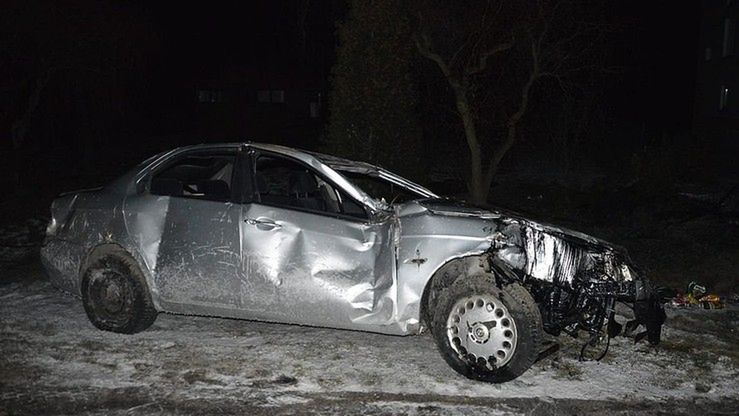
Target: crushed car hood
[(528, 248), (521, 250), (451, 207)]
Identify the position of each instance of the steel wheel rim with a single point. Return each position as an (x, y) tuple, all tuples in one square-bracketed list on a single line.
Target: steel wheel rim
[(482, 331), (111, 296)]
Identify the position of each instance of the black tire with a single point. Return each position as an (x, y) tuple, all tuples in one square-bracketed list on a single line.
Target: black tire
[(448, 275), (116, 296), (519, 306)]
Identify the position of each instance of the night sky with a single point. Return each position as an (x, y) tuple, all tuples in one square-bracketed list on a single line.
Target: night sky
[(183, 44), (660, 50), (657, 47), (658, 44), (200, 39)]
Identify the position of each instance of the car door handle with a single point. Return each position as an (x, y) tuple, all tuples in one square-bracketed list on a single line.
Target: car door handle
[(263, 223)]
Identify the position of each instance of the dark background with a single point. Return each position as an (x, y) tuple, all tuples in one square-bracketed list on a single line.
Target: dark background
[(145, 91), (101, 85)]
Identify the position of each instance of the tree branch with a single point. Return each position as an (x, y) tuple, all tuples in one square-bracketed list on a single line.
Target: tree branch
[(515, 117), (482, 63), (423, 44)]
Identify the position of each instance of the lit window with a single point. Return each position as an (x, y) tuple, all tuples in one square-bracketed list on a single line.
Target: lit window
[(724, 98), (210, 96), (271, 96), (728, 37), (263, 96), (314, 110), (278, 96)]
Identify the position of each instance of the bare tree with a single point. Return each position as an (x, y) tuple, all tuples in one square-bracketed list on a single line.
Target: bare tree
[(492, 56)]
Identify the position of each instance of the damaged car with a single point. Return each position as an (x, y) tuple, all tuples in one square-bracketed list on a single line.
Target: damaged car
[(270, 233)]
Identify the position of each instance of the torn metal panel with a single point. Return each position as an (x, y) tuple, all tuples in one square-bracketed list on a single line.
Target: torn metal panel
[(575, 277), (550, 258)]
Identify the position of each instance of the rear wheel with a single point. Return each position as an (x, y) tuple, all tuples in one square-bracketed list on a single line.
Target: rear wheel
[(487, 333), (115, 295)]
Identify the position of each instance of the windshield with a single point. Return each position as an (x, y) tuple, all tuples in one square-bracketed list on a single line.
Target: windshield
[(377, 183), (382, 189)]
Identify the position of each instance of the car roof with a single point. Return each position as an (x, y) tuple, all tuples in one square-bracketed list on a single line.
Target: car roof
[(334, 162), (316, 160), (344, 165)]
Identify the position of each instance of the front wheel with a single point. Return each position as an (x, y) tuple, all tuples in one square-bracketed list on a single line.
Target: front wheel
[(486, 333)]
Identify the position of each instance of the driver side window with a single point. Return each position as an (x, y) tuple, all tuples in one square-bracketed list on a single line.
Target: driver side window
[(286, 183)]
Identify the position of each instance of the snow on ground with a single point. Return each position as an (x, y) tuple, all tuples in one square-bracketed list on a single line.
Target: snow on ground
[(52, 360)]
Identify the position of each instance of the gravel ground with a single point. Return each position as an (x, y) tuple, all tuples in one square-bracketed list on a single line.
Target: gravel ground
[(53, 361)]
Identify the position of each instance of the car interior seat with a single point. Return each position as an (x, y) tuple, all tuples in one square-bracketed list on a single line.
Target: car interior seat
[(265, 194), (304, 191)]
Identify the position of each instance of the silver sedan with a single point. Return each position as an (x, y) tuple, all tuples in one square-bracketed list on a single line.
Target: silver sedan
[(271, 233)]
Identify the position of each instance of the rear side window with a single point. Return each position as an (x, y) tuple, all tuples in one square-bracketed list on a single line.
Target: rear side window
[(206, 176)]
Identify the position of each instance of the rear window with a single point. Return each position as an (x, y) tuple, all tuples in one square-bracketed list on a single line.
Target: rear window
[(206, 177)]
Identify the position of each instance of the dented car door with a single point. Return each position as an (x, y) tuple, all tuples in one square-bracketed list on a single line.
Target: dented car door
[(311, 257), (198, 258)]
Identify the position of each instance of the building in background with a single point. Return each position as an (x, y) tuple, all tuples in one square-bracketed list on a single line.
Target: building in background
[(245, 103), (716, 118)]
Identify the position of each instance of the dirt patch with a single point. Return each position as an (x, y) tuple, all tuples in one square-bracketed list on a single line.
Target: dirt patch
[(199, 376), (566, 369), (281, 380)]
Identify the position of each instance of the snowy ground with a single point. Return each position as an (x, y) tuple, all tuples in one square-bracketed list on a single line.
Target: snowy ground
[(53, 361)]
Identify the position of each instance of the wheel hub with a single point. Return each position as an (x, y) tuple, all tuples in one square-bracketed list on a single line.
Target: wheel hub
[(479, 333), (111, 297), (112, 293), (481, 330)]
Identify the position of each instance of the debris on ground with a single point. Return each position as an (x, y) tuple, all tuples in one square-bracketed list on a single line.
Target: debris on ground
[(696, 295)]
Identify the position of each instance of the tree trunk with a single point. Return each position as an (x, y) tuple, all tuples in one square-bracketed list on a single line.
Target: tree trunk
[(20, 127), (475, 186), (479, 182), (513, 120)]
